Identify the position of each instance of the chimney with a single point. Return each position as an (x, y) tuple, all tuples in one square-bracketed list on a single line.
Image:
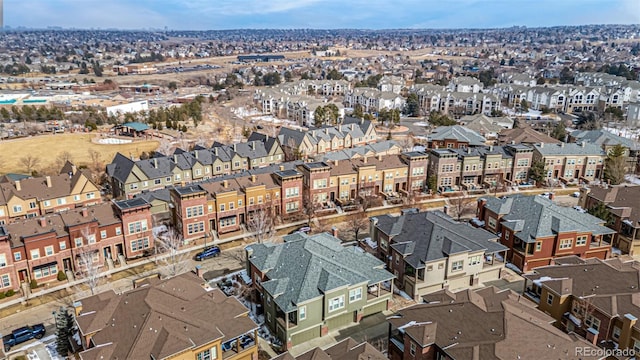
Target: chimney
[(379, 157), (253, 145), (561, 144), (552, 196), (445, 209), (541, 145), (199, 271), (175, 158), (253, 178), (353, 127), (74, 169), (18, 186), (215, 151), (335, 162), (85, 212), (281, 167), (491, 148), (334, 232), (225, 183), (628, 321), (513, 142), (234, 147), (326, 131), (583, 144), (195, 153), (48, 181), (77, 307), (43, 222)]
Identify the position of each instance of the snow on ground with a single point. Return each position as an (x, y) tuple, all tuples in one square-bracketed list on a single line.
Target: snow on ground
[(514, 268), (420, 123), (624, 132), (112, 141), (632, 179)]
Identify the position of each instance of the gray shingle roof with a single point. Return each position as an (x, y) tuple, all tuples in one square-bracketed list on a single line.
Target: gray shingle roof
[(305, 267), (603, 137), (429, 236), (459, 133), (536, 216), (569, 149)]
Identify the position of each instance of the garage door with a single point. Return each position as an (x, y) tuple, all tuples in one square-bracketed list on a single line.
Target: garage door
[(306, 335), (375, 308), (340, 321)]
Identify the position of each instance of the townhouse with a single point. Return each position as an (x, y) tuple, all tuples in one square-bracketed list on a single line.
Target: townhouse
[(373, 100), (623, 205), (39, 248), (32, 197), (177, 318), (429, 251), (480, 324), (310, 285), (536, 230), (488, 127), (455, 103), (352, 132), (607, 141), (593, 298), (571, 162), (524, 135), (130, 177), (466, 84), (479, 167), (454, 137)]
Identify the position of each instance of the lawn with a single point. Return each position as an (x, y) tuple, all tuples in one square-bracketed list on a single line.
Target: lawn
[(48, 147)]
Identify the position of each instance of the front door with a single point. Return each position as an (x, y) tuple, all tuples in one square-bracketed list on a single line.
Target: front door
[(23, 275), (66, 263), (119, 249), (106, 251)]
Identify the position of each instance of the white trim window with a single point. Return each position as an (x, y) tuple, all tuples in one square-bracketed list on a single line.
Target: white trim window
[(302, 313), (355, 295), (336, 303)]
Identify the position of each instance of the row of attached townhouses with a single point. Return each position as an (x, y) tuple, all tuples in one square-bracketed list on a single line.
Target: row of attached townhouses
[(373, 100), (130, 177), (40, 247), (455, 103), (32, 197)]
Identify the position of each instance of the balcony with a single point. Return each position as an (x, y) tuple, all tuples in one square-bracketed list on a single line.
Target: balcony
[(241, 344), (379, 290), (287, 320)]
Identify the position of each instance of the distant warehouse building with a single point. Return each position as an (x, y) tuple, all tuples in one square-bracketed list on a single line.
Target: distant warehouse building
[(128, 108), (260, 58)]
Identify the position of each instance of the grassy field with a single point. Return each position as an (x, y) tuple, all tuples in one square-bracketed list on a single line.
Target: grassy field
[(48, 147)]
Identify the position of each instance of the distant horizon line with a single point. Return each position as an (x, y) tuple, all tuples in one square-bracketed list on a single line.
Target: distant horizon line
[(154, 29)]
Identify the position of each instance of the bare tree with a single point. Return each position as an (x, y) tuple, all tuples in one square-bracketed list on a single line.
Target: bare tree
[(62, 159), (89, 262), (357, 222), (309, 208), (462, 205), (406, 142), (164, 148), (30, 162), (261, 225), (171, 259)]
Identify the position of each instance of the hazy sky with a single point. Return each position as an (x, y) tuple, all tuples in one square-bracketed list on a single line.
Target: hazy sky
[(325, 14)]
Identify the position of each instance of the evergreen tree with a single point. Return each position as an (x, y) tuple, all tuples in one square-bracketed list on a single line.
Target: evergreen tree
[(615, 166), (64, 331)]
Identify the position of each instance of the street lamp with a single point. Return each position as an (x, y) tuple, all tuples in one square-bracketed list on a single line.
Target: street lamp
[(55, 319), (206, 235)]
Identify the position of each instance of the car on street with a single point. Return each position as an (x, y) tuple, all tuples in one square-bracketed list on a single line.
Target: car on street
[(25, 333), (207, 253)]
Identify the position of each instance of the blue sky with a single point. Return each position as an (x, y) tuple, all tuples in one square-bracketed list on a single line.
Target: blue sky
[(322, 14)]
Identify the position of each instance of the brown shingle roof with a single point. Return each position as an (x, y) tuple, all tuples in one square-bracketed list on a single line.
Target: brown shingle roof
[(163, 319), (346, 349), (623, 201), (524, 135), (61, 185), (486, 324)]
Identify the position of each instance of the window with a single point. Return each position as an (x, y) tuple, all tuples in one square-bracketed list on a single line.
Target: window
[(302, 312), (355, 295), (260, 199), (474, 260), (566, 243), (137, 226), (636, 346), (133, 186), (581, 240), (17, 208), (616, 333), (549, 299), (5, 281), (139, 244), (168, 179), (440, 266), (291, 192), (118, 231), (32, 205), (177, 177), (157, 181), (17, 256), (78, 241), (63, 245), (507, 235), (47, 203), (35, 254), (456, 265), (221, 207), (592, 322), (145, 184), (91, 239), (336, 303), (229, 221), (292, 206), (492, 223), (195, 228), (198, 172), (48, 250), (103, 234), (193, 211), (538, 245), (91, 195), (209, 354), (3, 260), (45, 271), (412, 349), (239, 203), (320, 184)]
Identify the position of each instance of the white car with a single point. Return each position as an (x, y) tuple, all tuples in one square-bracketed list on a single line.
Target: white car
[(576, 194), (579, 209)]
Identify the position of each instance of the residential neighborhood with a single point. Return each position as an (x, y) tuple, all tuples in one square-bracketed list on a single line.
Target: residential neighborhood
[(319, 181)]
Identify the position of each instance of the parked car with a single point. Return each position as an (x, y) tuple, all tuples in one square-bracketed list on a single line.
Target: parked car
[(576, 194), (303, 229), (579, 209), (25, 333), (213, 251)]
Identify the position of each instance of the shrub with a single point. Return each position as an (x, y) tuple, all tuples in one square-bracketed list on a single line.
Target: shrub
[(33, 284), (10, 293), (2, 296), (62, 276)]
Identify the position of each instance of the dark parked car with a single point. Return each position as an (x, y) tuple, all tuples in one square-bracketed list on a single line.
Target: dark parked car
[(208, 253), (25, 333)]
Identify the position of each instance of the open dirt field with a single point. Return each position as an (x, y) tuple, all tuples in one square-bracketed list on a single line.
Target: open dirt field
[(48, 147)]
